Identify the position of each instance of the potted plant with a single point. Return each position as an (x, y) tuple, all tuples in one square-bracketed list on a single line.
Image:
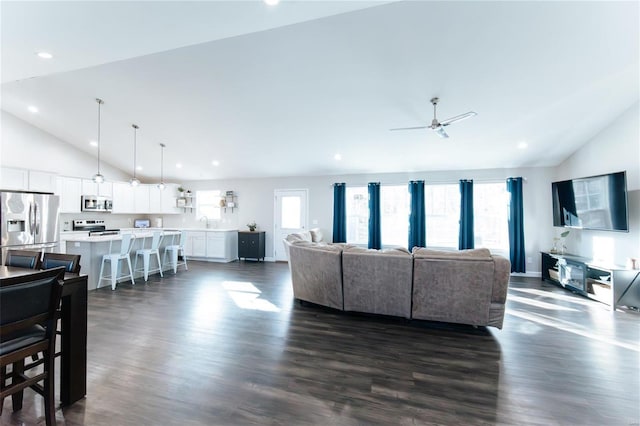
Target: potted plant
[(181, 191), (252, 226)]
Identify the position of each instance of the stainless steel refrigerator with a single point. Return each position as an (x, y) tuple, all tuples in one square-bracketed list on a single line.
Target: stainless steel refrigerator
[(29, 221)]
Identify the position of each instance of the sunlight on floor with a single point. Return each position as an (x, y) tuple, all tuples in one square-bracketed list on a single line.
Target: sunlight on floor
[(540, 304), (247, 296), (570, 328), (563, 297)]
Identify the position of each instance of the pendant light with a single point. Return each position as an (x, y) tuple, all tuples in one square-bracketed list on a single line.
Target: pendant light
[(98, 178), (134, 181), (161, 184)]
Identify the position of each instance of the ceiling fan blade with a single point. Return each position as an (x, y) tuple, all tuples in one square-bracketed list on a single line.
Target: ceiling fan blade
[(410, 128), (440, 131), (458, 118)]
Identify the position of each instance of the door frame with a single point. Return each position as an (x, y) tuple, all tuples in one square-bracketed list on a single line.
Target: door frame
[(276, 219)]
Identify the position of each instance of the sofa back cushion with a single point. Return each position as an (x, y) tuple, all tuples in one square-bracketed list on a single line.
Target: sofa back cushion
[(453, 287), (316, 273), (377, 281)]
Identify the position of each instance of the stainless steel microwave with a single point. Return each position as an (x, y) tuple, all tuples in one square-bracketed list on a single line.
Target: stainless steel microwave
[(94, 203)]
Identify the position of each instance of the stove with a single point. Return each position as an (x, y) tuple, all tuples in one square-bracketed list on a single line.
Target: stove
[(94, 227)]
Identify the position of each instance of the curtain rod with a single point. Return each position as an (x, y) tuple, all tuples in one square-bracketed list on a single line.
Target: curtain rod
[(437, 182)]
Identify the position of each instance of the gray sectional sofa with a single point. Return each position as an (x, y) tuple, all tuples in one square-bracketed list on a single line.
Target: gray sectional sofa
[(466, 287)]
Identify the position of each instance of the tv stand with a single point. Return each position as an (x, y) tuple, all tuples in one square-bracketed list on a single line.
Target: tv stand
[(610, 284)]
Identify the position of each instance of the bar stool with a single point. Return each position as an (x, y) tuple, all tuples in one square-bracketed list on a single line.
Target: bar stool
[(174, 250), (146, 254), (115, 258)]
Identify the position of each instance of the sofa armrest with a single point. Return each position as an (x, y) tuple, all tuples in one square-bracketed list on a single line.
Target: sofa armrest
[(501, 274)]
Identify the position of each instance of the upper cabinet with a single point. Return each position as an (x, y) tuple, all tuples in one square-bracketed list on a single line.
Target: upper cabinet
[(104, 189), (141, 198), (42, 181), (123, 197), (70, 191), (27, 180)]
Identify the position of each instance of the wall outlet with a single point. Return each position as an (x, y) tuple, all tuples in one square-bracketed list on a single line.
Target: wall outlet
[(529, 260)]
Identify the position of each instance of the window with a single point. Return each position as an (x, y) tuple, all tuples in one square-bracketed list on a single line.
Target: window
[(357, 215), (208, 205), (394, 206), (490, 215), (442, 208)]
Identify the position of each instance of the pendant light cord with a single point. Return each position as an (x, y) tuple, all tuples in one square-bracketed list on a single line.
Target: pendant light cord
[(100, 102), (135, 131)]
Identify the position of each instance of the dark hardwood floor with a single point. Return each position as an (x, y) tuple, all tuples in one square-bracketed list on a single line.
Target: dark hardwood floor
[(225, 344)]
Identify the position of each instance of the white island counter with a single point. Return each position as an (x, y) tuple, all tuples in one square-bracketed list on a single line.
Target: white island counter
[(91, 250), (213, 245)]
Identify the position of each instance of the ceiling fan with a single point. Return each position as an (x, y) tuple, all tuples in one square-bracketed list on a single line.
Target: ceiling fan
[(439, 126)]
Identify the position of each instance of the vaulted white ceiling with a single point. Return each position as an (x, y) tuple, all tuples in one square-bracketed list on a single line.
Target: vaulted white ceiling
[(278, 91)]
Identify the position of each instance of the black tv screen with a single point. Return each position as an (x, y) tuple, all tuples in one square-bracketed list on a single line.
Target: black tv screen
[(595, 202)]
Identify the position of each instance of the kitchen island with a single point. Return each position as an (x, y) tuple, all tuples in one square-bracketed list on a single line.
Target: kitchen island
[(91, 249)]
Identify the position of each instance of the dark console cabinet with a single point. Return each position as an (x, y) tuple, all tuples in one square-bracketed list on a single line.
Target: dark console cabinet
[(251, 245), (610, 284)]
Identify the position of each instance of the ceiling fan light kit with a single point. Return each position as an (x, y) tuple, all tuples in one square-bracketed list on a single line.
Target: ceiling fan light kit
[(438, 126)]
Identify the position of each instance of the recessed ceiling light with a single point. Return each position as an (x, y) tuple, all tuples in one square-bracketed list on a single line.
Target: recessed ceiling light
[(32, 109), (44, 55), (138, 167), (337, 157), (93, 143), (179, 165), (271, 2), (215, 163), (522, 145)]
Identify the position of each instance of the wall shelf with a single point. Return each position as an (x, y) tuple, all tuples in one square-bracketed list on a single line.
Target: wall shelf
[(230, 200), (185, 202)]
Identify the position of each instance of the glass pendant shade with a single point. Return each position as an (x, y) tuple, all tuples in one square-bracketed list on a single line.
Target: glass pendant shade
[(161, 186), (134, 182), (98, 178)]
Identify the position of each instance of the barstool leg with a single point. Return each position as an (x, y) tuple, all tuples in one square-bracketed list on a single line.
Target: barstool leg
[(114, 273), (184, 257), (159, 264), (101, 271), (130, 270), (174, 259), (145, 262)]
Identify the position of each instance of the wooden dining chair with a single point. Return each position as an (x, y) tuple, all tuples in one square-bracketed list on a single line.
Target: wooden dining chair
[(28, 319), (23, 259), (71, 262)]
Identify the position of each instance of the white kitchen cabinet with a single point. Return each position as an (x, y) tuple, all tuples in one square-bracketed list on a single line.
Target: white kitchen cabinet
[(104, 189), (42, 181), (212, 245), (155, 199), (141, 198), (123, 198), (216, 244), (196, 244), (163, 202), (15, 179), (70, 190)]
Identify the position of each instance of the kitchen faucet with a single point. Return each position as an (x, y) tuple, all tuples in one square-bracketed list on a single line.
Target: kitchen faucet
[(206, 220)]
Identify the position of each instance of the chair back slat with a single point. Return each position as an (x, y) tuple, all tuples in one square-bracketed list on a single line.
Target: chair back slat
[(127, 244), (71, 262), (156, 240), (183, 238), (23, 259)]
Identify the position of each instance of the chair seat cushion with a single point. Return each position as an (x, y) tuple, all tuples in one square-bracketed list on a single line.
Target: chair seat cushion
[(24, 338)]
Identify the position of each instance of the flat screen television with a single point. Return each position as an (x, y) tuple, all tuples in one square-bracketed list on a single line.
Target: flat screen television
[(595, 202)]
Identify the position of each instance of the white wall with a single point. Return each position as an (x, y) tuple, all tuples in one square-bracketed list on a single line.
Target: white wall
[(25, 146), (255, 201), (615, 149)]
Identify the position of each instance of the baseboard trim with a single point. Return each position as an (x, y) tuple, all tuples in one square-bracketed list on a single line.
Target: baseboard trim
[(532, 274)]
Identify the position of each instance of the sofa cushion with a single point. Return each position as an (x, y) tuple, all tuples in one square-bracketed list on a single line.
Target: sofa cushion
[(471, 254), (300, 236), (377, 281), (316, 235)]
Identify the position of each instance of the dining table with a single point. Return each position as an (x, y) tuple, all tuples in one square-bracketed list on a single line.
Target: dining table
[(73, 332)]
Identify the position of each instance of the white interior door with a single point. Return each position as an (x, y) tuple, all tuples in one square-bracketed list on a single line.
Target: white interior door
[(290, 217)]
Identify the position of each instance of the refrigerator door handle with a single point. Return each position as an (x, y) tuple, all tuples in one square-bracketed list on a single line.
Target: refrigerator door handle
[(36, 220), (31, 221)]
